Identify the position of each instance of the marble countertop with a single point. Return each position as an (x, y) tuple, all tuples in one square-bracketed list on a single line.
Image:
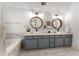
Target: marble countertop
[(58, 33)]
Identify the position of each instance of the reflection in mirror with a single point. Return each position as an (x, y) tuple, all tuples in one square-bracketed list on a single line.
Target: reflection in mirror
[(36, 22), (57, 23)]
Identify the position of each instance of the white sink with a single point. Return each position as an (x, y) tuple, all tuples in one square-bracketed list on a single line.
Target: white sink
[(61, 32)]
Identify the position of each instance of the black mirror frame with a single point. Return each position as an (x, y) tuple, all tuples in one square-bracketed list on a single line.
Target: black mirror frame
[(40, 20), (60, 23)]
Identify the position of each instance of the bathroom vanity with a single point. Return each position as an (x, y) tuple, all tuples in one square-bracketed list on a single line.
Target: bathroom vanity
[(46, 40)]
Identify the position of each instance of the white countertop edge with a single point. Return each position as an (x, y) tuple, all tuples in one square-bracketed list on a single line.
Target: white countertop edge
[(49, 34)]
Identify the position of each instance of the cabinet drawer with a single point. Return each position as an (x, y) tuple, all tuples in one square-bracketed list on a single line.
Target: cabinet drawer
[(61, 36), (69, 36), (51, 37), (64, 36), (57, 35), (28, 37), (37, 37), (46, 37)]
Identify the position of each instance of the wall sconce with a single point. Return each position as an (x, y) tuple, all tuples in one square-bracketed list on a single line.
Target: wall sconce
[(60, 16), (36, 13), (33, 13), (56, 15)]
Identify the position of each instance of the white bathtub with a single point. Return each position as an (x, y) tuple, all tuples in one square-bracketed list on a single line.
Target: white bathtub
[(12, 46)]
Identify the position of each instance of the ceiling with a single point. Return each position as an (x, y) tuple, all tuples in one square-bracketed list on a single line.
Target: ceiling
[(50, 6), (59, 7)]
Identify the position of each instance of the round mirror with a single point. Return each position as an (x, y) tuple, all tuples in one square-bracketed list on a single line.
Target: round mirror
[(57, 23), (36, 22)]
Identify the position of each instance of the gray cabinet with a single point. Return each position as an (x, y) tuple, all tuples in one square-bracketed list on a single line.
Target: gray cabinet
[(51, 41), (44, 42), (29, 43), (68, 40), (58, 41)]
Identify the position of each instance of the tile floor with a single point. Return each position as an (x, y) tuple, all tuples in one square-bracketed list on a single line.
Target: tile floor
[(59, 51)]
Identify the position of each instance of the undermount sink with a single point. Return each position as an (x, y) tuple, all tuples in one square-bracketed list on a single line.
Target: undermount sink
[(59, 32)]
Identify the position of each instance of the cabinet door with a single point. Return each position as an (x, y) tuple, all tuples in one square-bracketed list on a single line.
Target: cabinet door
[(52, 42), (30, 43), (43, 43), (68, 41), (59, 41)]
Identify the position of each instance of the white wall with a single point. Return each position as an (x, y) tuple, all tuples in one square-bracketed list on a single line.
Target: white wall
[(14, 18), (72, 17), (56, 7), (1, 33)]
